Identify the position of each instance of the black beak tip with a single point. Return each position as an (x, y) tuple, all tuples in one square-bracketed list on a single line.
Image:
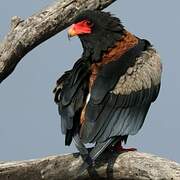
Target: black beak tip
[(69, 37)]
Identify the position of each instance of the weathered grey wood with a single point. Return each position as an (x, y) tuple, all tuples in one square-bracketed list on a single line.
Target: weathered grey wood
[(26, 34), (130, 165)]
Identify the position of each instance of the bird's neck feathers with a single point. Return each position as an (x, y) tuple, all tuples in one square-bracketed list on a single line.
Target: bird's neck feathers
[(101, 44), (126, 42)]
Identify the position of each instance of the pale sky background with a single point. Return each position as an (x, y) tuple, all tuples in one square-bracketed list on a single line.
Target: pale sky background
[(29, 121)]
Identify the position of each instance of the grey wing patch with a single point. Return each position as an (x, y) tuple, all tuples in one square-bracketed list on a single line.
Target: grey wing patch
[(131, 121), (143, 75)]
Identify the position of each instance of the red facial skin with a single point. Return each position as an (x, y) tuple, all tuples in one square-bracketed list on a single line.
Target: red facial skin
[(82, 27)]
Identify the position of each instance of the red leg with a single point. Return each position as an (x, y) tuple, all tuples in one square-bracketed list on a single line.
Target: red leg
[(119, 149)]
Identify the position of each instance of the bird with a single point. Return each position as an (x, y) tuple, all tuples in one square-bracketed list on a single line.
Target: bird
[(106, 95)]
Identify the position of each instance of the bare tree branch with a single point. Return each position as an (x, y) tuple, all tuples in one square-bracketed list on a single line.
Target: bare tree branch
[(130, 165), (27, 34)]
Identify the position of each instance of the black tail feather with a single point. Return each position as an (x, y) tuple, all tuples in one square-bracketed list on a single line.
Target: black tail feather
[(94, 154), (80, 146)]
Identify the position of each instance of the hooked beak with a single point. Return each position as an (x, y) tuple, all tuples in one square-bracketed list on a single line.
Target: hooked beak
[(71, 32)]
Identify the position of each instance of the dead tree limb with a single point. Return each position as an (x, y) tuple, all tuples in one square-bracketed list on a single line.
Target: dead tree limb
[(130, 165), (26, 34)]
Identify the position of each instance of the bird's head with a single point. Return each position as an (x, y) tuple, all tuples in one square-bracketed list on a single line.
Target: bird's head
[(97, 31)]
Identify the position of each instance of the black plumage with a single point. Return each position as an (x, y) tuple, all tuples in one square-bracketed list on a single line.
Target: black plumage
[(126, 75)]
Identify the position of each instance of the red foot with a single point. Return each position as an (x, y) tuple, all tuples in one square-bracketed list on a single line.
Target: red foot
[(119, 149)]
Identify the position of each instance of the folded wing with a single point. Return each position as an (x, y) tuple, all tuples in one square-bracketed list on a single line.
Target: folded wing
[(122, 94), (70, 93)]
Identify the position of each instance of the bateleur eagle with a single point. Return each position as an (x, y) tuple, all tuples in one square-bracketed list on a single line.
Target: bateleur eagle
[(105, 97)]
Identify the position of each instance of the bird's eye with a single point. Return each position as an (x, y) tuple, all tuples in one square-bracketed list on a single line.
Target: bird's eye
[(90, 24)]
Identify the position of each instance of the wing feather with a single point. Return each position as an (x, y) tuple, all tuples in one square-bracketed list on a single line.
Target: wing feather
[(70, 94), (120, 98)]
